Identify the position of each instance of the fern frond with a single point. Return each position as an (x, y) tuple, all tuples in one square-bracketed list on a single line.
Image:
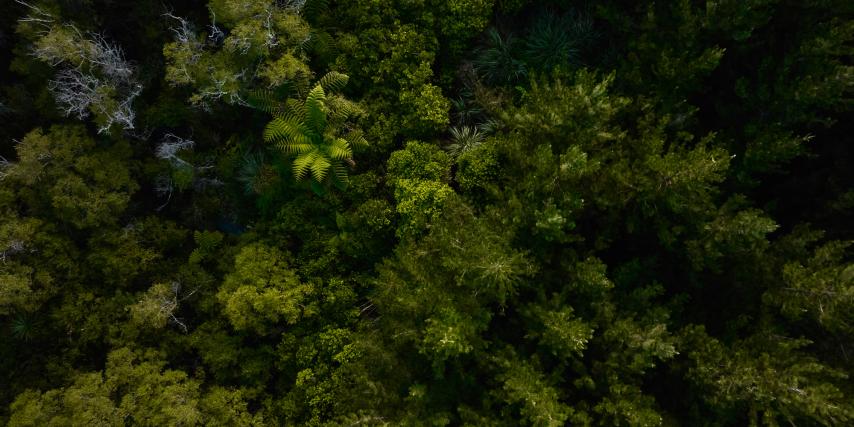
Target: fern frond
[(264, 100), (302, 164), (316, 110), (356, 138), (293, 110), (333, 81), (312, 8), (340, 150), (280, 130), (340, 173), (319, 168), (323, 46), (292, 148)]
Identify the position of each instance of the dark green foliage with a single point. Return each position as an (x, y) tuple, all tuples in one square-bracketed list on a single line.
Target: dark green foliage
[(555, 41), (611, 213), (497, 62)]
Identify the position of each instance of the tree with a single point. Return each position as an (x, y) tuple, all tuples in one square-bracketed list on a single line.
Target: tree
[(315, 130), (263, 291), (65, 172), (93, 78), (247, 45), (136, 388)]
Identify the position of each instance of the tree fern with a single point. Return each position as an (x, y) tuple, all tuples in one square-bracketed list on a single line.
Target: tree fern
[(340, 150), (315, 131)]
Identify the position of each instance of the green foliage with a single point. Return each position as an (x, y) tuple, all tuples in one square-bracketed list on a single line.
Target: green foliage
[(419, 160), (562, 332), (555, 41), (207, 243), (84, 185), (770, 378), (156, 307), (259, 34), (464, 139), (428, 109), (620, 213), (820, 286), (262, 291), (313, 129), (134, 386), (478, 168), (418, 204), (461, 20), (498, 62), (365, 232), (525, 385)]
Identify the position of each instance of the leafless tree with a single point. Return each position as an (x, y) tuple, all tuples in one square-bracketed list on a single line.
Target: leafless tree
[(37, 15), (184, 32), (75, 92), (5, 165), (169, 147), (78, 93), (294, 5), (217, 35), (94, 76)]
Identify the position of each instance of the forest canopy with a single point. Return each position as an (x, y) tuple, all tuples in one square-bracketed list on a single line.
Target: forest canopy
[(427, 213)]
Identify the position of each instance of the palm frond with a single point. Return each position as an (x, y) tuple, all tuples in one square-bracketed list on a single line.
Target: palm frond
[(498, 62), (250, 168), (557, 40)]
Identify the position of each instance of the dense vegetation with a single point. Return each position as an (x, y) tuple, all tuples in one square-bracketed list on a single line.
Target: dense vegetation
[(427, 212)]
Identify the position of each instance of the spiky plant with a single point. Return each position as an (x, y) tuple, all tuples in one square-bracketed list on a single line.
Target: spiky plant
[(256, 175), (24, 327), (497, 62), (465, 110), (316, 132), (463, 139), (557, 40)]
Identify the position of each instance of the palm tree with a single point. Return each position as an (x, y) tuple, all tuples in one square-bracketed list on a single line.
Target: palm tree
[(316, 131)]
